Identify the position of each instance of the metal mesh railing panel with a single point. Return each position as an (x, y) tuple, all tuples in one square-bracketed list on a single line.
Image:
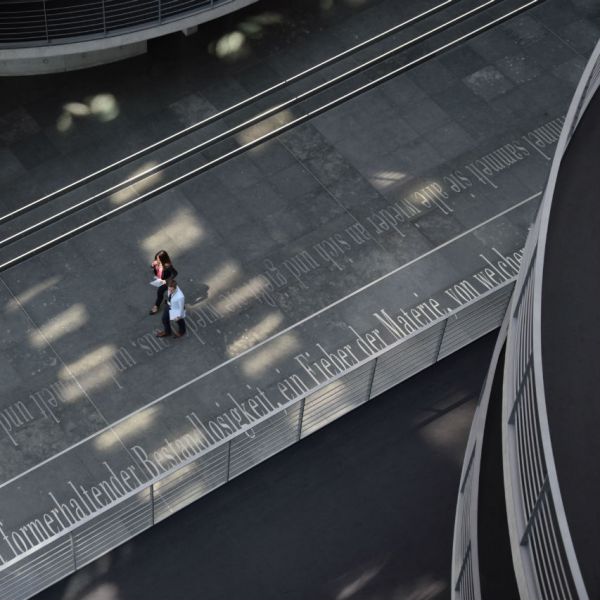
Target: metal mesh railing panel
[(190, 482), (406, 359), (176, 7), (265, 439), (37, 571), (113, 527), (68, 20), (130, 13), (540, 539), (464, 584), (476, 320), (547, 553), (336, 399), (22, 22), (48, 22)]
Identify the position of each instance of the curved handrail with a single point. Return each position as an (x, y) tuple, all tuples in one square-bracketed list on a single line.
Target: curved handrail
[(465, 577), (532, 487)]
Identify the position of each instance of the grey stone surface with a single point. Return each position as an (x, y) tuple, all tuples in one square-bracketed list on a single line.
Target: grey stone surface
[(281, 248)]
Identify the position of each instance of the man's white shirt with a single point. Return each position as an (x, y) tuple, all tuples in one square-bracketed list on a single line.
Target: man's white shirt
[(177, 308)]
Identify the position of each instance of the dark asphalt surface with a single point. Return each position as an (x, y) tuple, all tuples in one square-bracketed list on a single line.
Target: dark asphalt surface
[(363, 509)]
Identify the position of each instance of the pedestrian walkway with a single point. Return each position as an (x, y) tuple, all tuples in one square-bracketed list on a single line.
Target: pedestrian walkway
[(416, 194)]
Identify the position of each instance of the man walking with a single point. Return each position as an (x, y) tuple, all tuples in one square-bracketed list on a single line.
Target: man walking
[(174, 310)]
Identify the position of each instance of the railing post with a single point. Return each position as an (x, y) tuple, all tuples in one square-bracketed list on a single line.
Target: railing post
[(462, 568), (371, 379), (46, 22), (152, 502), (468, 471), (535, 511), (439, 348), (228, 461), (104, 15), (520, 389), (301, 417), (159, 11)]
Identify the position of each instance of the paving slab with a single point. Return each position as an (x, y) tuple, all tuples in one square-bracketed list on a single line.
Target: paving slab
[(289, 251)]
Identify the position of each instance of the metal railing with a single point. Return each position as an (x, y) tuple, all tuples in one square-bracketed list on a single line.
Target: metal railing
[(546, 566), (466, 584), (48, 21), (119, 521), (543, 553)]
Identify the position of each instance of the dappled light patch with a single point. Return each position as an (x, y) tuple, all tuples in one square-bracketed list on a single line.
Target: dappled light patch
[(133, 426), (385, 179), (183, 227), (233, 45), (255, 289), (103, 591), (102, 107), (358, 583), (98, 367), (436, 433), (32, 293), (265, 127), (69, 321), (425, 588), (223, 277), (134, 190), (260, 360), (255, 334), (230, 46)]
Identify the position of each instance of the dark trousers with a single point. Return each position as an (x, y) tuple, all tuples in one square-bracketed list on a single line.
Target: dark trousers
[(160, 294), (167, 322)]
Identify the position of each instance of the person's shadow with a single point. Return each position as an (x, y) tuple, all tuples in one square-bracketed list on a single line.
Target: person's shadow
[(199, 293)]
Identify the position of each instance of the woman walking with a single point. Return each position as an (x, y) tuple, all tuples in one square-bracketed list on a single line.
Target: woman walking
[(163, 269)]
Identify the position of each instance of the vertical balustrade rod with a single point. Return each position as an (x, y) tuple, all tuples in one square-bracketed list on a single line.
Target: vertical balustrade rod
[(46, 21), (152, 502), (104, 16), (159, 11), (301, 417), (439, 348), (228, 460), (536, 508), (462, 568), (371, 379)]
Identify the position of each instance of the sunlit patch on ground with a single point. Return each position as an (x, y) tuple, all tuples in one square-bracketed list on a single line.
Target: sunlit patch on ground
[(132, 426), (102, 107), (258, 362), (234, 45), (184, 227), (32, 293), (66, 322), (131, 191), (384, 179), (255, 334)]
